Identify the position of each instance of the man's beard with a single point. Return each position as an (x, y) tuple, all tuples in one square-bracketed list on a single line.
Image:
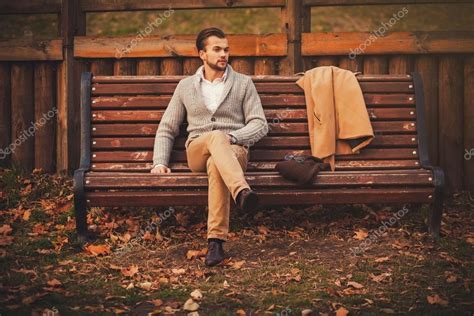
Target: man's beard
[(217, 67)]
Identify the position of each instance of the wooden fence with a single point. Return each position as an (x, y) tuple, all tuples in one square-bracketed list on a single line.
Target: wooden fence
[(41, 77)]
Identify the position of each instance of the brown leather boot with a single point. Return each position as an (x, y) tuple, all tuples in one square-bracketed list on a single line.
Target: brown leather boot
[(247, 200), (215, 252)]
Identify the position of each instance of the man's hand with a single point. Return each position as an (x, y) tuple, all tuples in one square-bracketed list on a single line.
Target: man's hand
[(160, 169)]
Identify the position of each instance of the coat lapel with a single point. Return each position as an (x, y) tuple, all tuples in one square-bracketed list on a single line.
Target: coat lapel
[(227, 85)]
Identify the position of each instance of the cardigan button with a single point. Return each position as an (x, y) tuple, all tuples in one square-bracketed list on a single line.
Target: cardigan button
[(213, 119)]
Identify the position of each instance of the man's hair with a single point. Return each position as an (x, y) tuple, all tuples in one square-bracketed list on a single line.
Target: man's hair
[(204, 34)]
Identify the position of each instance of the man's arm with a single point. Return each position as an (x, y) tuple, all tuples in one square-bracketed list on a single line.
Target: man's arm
[(168, 129), (256, 125)]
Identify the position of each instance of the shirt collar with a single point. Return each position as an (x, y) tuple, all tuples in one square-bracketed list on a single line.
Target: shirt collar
[(200, 73)]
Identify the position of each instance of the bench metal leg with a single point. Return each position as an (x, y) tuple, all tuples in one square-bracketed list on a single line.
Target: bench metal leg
[(80, 208), (437, 207)]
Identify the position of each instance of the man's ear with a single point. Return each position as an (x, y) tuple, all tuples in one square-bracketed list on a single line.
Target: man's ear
[(201, 54)]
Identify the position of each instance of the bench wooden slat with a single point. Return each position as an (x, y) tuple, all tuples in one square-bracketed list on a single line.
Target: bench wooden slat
[(271, 115), (161, 102), (257, 180), (266, 142), (260, 166), (257, 155), (255, 78), (120, 129), (274, 197), (262, 87)]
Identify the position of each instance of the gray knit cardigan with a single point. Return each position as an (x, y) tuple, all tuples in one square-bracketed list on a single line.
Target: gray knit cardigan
[(240, 113)]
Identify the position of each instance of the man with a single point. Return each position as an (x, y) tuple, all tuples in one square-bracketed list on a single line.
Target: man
[(225, 117)]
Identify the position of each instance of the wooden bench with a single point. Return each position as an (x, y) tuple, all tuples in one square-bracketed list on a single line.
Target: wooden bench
[(120, 115)]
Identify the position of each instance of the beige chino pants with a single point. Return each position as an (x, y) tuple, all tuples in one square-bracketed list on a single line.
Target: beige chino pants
[(225, 165)]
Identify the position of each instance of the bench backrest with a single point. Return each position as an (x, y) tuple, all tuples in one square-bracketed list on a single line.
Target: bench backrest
[(125, 112)]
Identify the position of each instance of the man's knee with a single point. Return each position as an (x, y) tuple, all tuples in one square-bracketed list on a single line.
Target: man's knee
[(219, 136)]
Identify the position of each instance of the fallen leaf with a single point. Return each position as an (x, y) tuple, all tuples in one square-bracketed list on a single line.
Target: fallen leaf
[(145, 285), (355, 285), (54, 282), (379, 278), (5, 229), (237, 264), (131, 271), (341, 311), (26, 215), (157, 302), (263, 230), (361, 234), (240, 312), (436, 299), (382, 259), (387, 310), (6, 240), (178, 271), (98, 250), (196, 253)]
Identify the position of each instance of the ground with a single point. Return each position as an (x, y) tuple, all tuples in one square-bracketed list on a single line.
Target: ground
[(282, 260)]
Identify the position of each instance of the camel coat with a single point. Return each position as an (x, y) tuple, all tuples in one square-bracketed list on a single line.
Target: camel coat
[(338, 121)]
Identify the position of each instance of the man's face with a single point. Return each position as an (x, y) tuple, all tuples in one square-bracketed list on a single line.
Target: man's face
[(216, 53)]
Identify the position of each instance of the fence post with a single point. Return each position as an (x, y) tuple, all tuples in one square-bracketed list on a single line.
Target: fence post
[(295, 19), (72, 22)]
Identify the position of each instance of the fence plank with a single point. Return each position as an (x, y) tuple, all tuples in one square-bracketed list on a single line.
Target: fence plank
[(469, 122), (177, 45), (171, 66), (102, 67), (265, 66), (190, 65), (28, 7), (427, 66), (326, 61), (23, 49), (22, 115), (243, 65), (5, 113), (132, 5), (400, 64), (341, 43), (352, 64), (291, 24), (125, 67), (367, 2), (451, 120), (375, 65), (45, 105)]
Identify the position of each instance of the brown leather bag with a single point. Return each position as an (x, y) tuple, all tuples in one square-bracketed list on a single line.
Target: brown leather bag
[(301, 169)]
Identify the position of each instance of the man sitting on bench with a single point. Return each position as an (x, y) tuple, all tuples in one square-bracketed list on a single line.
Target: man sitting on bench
[(225, 117)]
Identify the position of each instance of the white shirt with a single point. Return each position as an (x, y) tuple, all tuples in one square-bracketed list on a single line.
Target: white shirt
[(211, 91)]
